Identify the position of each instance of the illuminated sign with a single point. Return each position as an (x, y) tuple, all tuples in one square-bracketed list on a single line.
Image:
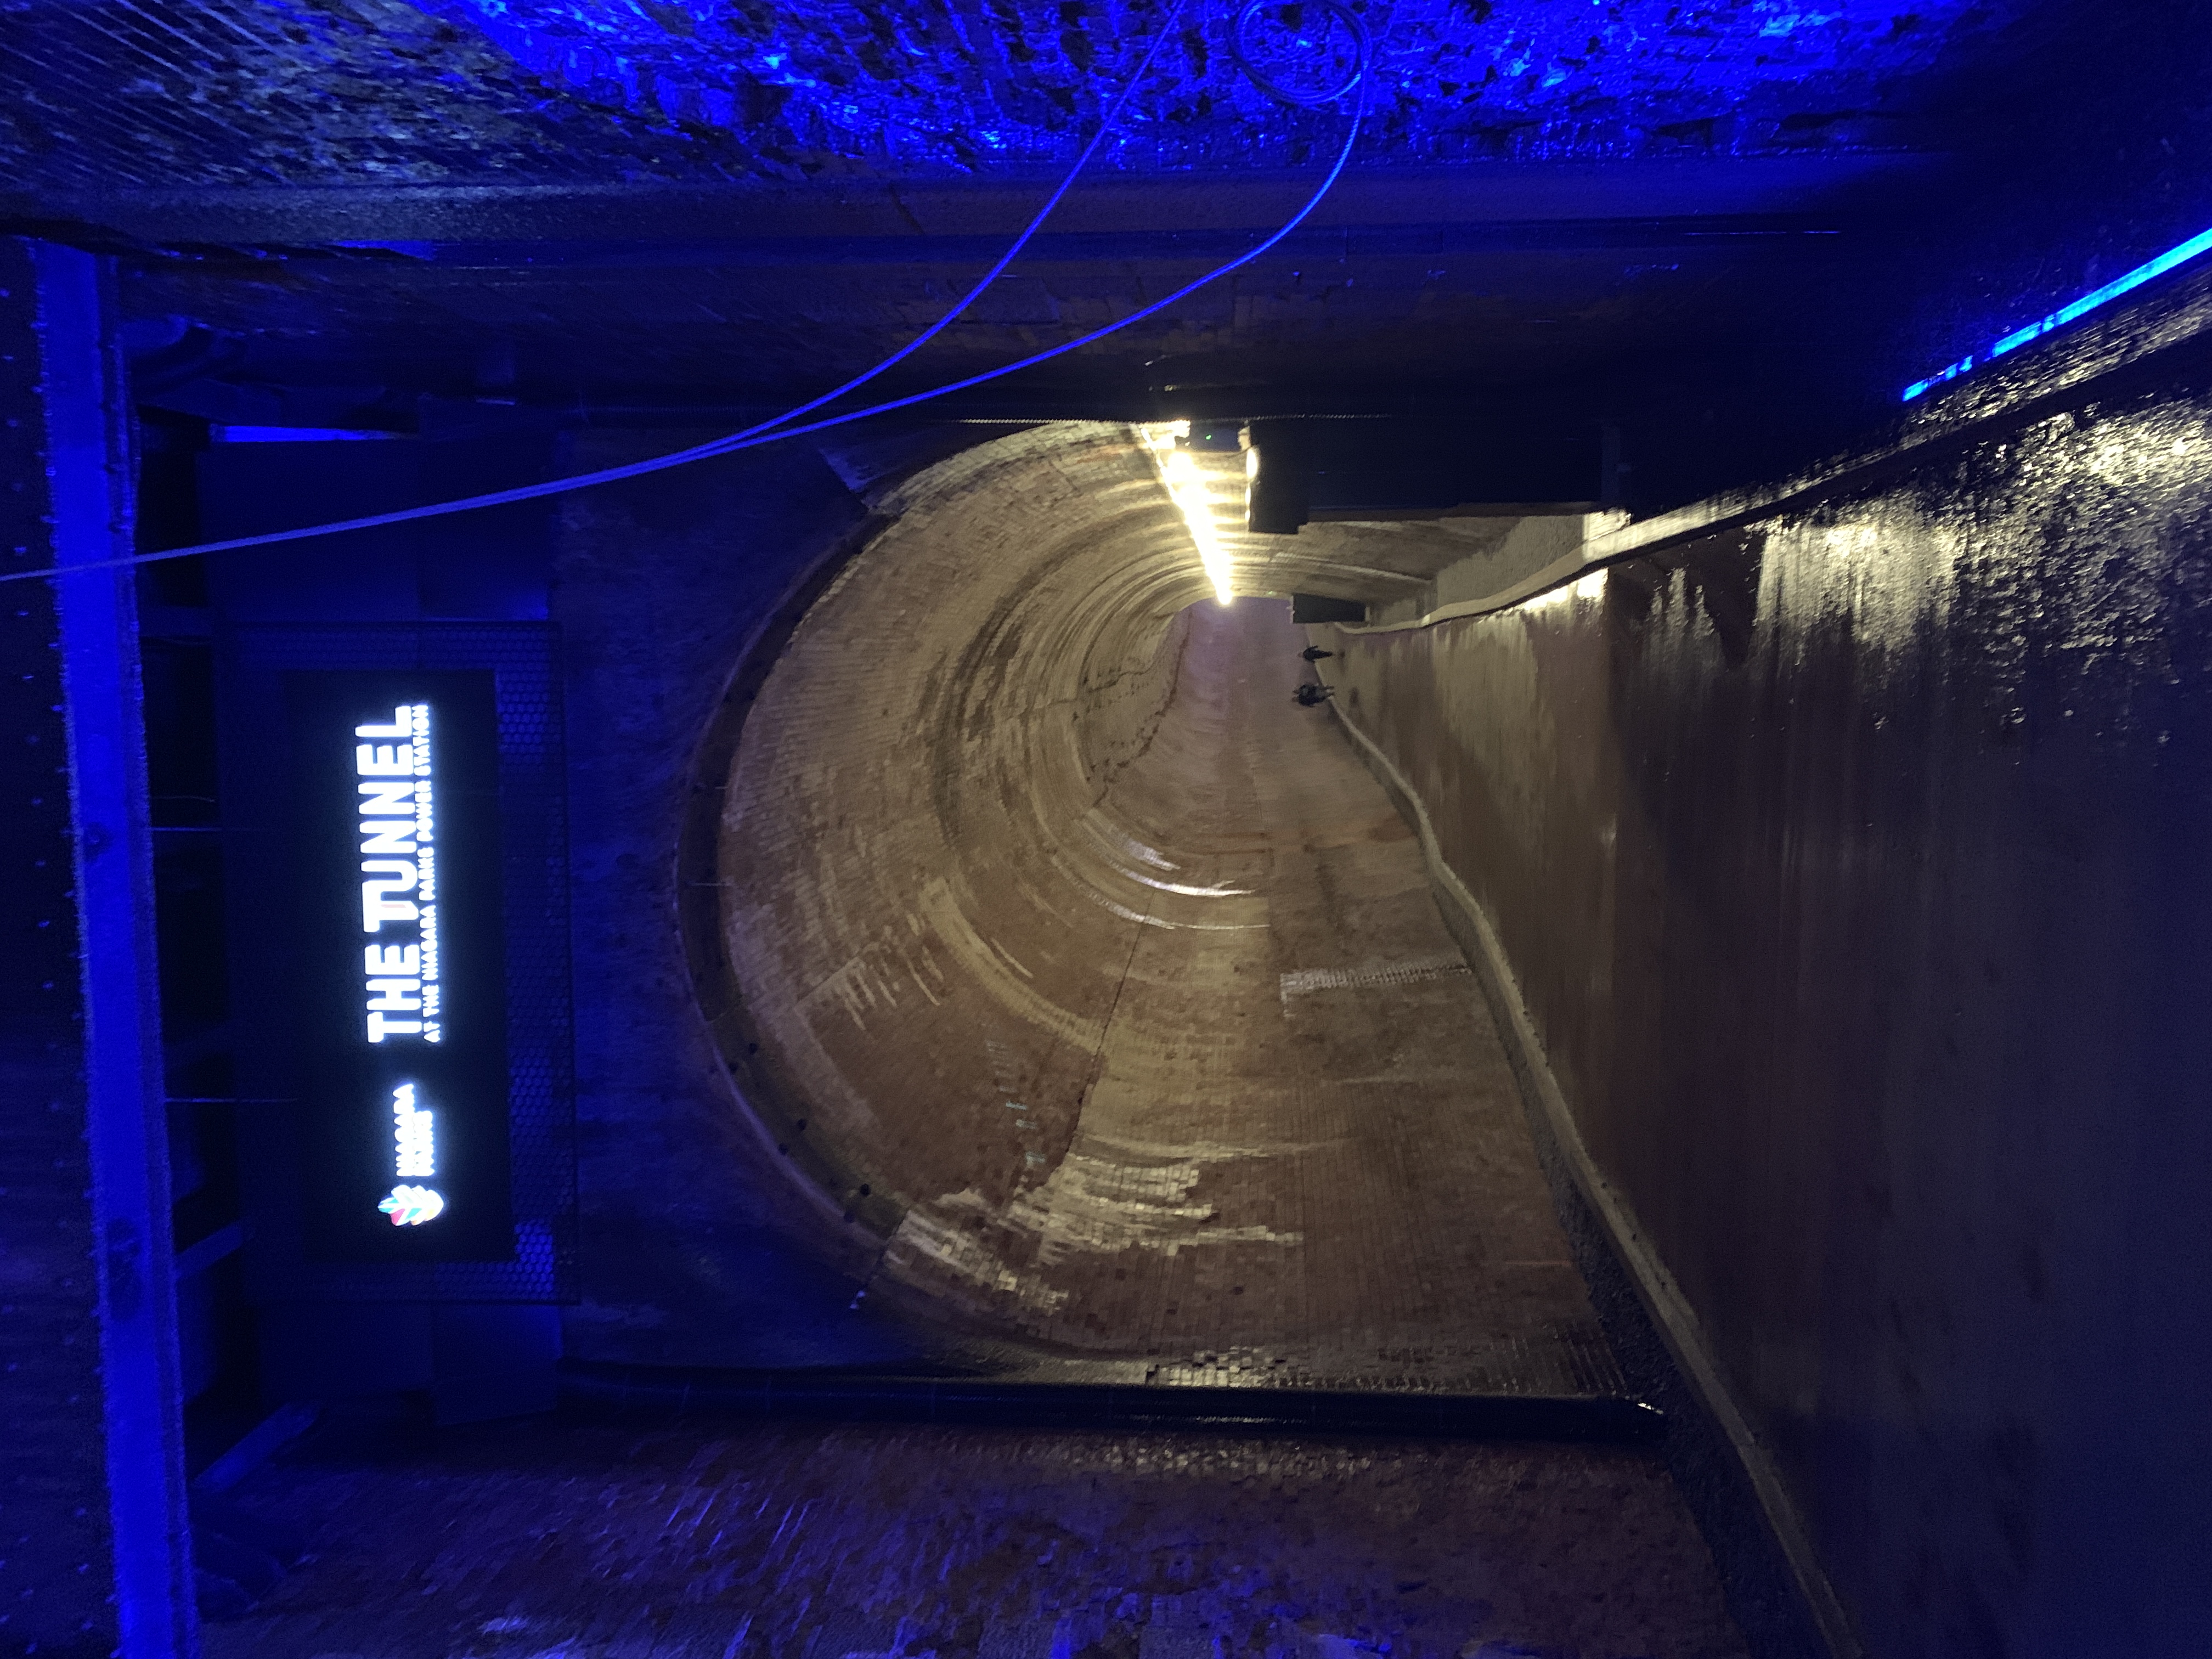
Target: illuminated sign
[(400, 877), (401, 963)]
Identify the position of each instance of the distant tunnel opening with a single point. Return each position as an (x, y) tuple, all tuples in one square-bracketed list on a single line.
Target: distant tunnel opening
[(1096, 974)]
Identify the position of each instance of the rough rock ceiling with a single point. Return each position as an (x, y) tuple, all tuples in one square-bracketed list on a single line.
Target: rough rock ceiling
[(689, 210), (916, 86), (168, 93)]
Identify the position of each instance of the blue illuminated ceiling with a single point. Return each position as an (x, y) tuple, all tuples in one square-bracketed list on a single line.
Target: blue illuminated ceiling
[(376, 92), (912, 84), (1560, 212)]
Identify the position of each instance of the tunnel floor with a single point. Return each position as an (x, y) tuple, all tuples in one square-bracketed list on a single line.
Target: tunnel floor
[(1302, 1159), (542, 1538)]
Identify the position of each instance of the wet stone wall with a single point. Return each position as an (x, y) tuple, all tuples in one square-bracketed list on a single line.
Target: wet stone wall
[(1850, 866)]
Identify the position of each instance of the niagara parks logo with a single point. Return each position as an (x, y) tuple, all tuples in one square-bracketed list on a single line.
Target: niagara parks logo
[(410, 1206)]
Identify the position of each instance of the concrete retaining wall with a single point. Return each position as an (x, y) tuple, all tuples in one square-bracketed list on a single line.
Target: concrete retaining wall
[(1848, 862)]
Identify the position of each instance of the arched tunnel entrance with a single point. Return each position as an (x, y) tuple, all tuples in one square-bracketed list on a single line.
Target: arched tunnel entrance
[(1097, 976)]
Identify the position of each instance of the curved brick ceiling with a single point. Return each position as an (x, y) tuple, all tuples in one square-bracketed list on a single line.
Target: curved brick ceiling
[(1059, 930)]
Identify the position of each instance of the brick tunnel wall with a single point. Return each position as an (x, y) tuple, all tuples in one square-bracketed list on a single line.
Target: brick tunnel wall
[(737, 1270), (928, 896), (876, 687), (1849, 863)]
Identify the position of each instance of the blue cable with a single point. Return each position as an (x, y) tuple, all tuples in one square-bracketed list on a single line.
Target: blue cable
[(774, 430), (1113, 114)]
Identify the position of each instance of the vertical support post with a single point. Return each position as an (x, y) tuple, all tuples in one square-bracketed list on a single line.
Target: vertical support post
[(88, 523), (1612, 480)]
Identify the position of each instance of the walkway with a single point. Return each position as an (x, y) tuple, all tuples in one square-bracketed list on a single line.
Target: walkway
[(1301, 1157), (530, 1539)]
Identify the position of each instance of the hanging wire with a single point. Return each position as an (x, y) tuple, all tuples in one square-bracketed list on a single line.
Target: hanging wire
[(1240, 48), (1105, 123), (775, 430)]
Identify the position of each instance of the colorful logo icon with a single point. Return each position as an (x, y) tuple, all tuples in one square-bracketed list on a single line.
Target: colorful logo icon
[(410, 1206)]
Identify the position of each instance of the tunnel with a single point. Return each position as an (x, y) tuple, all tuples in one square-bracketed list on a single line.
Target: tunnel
[(1105, 829), (1099, 974)]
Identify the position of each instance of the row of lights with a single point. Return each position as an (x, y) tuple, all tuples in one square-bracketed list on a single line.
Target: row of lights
[(1189, 486)]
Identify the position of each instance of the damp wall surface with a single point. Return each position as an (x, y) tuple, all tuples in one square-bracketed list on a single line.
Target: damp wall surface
[(1850, 862)]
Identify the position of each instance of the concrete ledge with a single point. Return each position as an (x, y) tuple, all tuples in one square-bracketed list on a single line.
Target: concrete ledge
[(2096, 357), (846, 1395)]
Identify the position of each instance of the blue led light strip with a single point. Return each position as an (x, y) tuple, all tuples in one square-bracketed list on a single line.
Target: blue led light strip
[(2065, 315)]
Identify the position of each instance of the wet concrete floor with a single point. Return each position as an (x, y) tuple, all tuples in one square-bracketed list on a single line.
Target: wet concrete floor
[(541, 1538)]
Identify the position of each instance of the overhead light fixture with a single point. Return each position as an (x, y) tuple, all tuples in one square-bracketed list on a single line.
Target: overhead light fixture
[(1187, 486), (1277, 477)]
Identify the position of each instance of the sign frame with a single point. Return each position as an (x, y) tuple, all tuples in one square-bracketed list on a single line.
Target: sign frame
[(401, 1002), (292, 1157)]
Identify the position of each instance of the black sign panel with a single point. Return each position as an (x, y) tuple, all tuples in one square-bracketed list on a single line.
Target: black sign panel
[(401, 1003)]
